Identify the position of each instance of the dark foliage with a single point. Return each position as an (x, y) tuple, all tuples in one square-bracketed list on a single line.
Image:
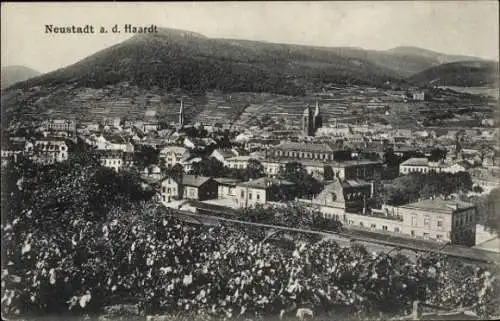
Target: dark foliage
[(411, 187)]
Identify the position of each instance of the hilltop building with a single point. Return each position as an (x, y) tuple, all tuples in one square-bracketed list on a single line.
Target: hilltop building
[(62, 125), (311, 120)]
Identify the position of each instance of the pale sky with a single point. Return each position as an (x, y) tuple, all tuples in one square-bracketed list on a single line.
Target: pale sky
[(454, 27)]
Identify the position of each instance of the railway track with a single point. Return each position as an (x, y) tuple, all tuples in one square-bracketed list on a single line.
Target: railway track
[(374, 240)]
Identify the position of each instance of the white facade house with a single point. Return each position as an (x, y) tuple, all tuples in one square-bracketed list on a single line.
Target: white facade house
[(47, 150), (172, 155), (423, 165), (116, 143), (112, 159), (240, 162)]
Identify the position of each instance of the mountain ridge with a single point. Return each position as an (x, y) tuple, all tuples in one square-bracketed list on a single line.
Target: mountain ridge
[(253, 58), (471, 73), (174, 60), (16, 73)]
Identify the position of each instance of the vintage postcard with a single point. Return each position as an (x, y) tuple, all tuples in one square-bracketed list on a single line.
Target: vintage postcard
[(250, 160)]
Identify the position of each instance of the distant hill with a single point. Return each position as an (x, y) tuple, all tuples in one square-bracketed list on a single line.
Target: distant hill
[(462, 74), (178, 59), (122, 77), (183, 59), (14, 74), (439, 57)]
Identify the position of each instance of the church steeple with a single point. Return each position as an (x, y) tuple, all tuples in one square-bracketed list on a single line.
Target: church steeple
[(308, 121), (181, 114), (317, 118)]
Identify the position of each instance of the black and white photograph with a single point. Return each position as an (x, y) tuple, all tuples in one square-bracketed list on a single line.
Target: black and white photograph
[(250, 161)]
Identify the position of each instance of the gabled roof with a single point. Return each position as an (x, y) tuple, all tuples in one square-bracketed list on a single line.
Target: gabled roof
[(175, 149), (195, 181), (354, 163), (115, 139), (355, 183), (265, 182), (110, 153), (326, 195), (227, 181), (439, 205), (240, 158), (416, 161), (226, 153), (306, 147)]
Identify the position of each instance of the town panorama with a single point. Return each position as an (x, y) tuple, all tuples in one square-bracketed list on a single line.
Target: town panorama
[(180, 177)]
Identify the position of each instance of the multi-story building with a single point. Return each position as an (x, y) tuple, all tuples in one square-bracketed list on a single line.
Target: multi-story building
[(223, 154), (444, 220), (364, 169), (263, 190), (47, 150), (240, 162), (149, 127), (62, 125), (11, 150), (418, 96), (440, 220), (342, 196), (227, 187), (112, 159), (188, 187), (423, 165), (112, 142), (189, 164), (294, 150), (172, 155), (272, 168)]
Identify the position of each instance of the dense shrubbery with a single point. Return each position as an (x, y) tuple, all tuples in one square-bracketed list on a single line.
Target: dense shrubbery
[(488, 208), (211, 167), (292, 215), (167, 265), (57, 258), (411, 187)]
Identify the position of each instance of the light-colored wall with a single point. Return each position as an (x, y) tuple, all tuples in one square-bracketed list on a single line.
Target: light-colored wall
[(114, 163), (426, 222), (225, 191), (271, 169), (169, 188), (191, 192), (258, 196)]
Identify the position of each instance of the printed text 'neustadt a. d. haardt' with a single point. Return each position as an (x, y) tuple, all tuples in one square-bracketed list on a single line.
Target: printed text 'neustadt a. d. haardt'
[(91, 29)]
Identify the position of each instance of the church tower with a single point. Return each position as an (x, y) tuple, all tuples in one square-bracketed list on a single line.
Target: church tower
[(318, 119), (308, 122), (181, 114)]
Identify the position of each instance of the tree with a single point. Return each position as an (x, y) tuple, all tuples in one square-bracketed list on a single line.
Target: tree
[(477, 189), (438, 154), (254, 169), (210, 167), (145, 155), (305, 184), (411, 187)]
